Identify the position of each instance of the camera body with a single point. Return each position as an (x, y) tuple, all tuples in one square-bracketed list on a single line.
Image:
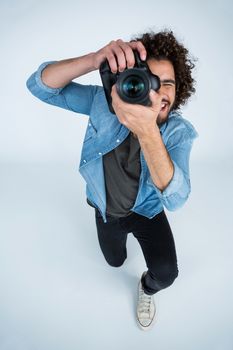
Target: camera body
[(133, 84)]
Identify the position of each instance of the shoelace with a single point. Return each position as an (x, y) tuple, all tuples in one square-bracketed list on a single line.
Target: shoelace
[(145, 301)]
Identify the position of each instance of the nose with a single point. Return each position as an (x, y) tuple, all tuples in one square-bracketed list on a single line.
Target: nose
[(162, 95), (162, 91)]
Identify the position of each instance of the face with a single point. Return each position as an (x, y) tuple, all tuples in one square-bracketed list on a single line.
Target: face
[(165, 71)]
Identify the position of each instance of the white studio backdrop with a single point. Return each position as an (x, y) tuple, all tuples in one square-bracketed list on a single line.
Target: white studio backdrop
[(34, 32), (48, 241)]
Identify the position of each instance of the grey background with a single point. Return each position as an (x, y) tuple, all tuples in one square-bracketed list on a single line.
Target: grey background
[(57, 291)]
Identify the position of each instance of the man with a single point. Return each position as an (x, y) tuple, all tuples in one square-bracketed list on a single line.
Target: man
[(134, 162)]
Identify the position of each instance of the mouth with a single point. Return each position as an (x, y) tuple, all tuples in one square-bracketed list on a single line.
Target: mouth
[(164, 106)]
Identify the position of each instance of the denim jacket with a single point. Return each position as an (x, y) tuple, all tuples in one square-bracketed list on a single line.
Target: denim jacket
[(104, 132)]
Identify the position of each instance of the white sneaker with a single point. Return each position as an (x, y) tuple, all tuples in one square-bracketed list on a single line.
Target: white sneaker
[(145, 308)]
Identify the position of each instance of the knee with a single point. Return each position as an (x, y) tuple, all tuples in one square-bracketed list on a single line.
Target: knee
[(172, 276), (166, 274), (172, 272)]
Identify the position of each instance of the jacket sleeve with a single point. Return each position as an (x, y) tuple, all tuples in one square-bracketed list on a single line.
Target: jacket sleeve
[(74, 96), (176, 193)]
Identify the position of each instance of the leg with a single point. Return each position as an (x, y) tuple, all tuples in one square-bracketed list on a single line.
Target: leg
[(112, 240), (157, 243)]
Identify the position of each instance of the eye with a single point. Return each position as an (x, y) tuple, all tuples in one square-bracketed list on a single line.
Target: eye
[(168, 84)]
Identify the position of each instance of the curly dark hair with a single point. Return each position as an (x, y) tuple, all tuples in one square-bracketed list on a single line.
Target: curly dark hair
[(164, 45)]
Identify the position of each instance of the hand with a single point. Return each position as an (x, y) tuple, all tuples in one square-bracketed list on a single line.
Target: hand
[(119, 54), (141, 120)]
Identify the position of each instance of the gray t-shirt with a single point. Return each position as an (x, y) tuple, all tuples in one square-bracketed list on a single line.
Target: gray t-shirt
[(122, 170)]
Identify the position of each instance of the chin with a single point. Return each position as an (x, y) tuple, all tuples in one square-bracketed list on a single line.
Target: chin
[(162, 117), (160, 121)]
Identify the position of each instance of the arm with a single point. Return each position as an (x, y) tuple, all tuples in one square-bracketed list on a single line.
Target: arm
[(74, 96), (168, 162), (61, 73), (158, 160), (175, 194), (52, 82)]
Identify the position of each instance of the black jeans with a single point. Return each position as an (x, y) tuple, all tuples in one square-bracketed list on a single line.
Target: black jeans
[(155, 238)]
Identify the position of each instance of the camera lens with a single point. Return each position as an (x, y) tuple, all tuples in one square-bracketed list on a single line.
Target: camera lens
[(133, 86)]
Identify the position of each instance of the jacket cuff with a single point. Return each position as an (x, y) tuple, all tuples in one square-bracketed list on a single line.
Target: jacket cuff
[(39, 82), (177, 185)]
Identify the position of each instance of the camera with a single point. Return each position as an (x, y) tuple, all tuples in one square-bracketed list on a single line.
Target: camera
[(133, 84)]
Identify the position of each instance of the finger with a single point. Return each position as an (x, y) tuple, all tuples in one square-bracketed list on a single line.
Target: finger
[(128, 51), (114, 54), (113, 91), (112, 61), (115, 95), (155, 98), (119, 56), (140, 47), (116, 98), (121, 60)]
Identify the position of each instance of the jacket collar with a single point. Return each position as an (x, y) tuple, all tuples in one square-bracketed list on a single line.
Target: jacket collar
[(163, 126)]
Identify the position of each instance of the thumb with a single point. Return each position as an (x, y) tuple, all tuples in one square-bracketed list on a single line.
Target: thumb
[(156, 100)]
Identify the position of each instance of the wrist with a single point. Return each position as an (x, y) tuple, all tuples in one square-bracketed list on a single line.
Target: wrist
[(93, 61), (150, 134)]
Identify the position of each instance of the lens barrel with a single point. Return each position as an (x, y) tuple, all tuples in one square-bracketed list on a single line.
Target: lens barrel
[(133, 85)]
